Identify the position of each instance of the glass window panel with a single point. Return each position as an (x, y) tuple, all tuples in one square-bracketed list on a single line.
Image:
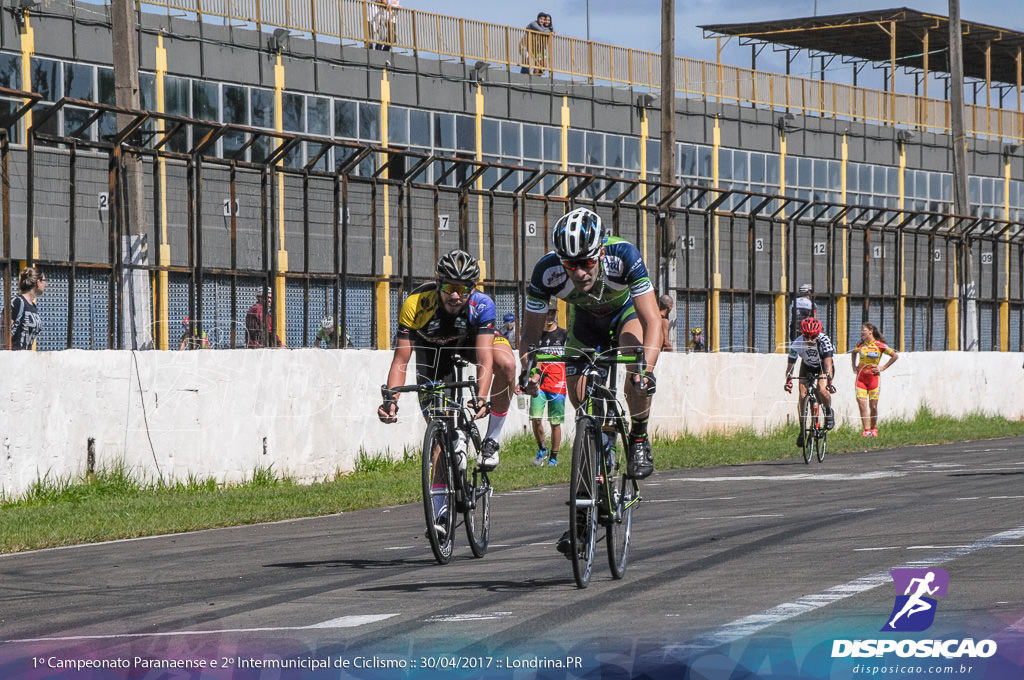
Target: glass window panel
[(75, 118), (235, 110), (577, 147), (687, 159), (595, 149), (261, 107), (835, 176), (908, 184), (45, 79), (105, 90), (892, 176), (419, 128), (465, 133), (78, 81), (947, 187), (398, 125), (865, 183), (177, 96), (613, 151), (757, 169), (346, 119), (510, 138), (147, 89), (654, 159), (205, 100), (444, 130), (491, 142), (804, 172), (369, 122), (318, 116), (631, 152), (740, 166), (532, 141), (851, 179), (293, 112), (725, 164), (10, 71), (704, 162), (879, 180), (771, 172), (552, 144), (820, 178)]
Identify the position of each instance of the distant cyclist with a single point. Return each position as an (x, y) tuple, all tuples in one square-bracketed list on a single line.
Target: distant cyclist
[(327, 332), (604, 281), (801, 308), (449, 316), (815, 351)]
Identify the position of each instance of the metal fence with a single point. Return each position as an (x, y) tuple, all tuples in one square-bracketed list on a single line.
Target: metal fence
[(357, 227)]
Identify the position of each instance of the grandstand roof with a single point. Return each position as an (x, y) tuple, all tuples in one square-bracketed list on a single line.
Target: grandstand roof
[(869, 36)]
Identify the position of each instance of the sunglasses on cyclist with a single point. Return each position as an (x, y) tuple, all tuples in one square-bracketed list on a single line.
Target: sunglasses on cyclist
[(585, 263), (460, 288)]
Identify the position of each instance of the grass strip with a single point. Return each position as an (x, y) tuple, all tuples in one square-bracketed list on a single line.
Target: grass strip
[(116, 504)]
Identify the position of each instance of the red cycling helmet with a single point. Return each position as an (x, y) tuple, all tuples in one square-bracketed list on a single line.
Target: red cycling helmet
[(810, 327)]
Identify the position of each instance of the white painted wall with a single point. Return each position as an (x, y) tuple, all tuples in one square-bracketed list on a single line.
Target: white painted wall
[(309, 412)]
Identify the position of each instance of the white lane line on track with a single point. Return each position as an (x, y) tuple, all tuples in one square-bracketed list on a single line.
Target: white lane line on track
[(799, 477), (749, 625), (342, 622), (459, 618), (689, 500), (738, 517)]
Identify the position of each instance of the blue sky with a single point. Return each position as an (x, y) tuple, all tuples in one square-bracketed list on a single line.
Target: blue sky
[(637, 23)]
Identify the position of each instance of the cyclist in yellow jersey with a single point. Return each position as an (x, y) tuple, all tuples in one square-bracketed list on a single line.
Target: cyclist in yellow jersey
[(449, 316), (867, 366)]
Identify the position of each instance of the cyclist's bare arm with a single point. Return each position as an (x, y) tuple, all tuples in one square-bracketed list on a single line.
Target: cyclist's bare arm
[(533, 325), (650, 320), (484, 369), (388, 412)]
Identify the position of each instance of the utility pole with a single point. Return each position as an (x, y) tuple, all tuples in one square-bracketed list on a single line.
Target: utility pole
[(961, 203), (136, 313), (668, 139)]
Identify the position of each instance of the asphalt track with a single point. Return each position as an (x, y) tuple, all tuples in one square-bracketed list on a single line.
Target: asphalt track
[(764, 563)]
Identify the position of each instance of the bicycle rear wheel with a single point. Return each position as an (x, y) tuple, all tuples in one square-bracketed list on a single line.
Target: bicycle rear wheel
[(624, 494), (438, 493), (477, 512), (807, 428), (583, 501)]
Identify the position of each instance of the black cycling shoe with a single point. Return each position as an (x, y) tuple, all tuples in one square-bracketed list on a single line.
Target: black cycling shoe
[(830, 420), (564, 545), (641, 463)]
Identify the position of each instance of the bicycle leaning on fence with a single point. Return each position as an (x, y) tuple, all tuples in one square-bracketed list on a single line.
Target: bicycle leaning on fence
[(453, 482), (600, 492)]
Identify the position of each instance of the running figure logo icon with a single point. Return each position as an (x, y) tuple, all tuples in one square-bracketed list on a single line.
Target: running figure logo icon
[(916, 590)]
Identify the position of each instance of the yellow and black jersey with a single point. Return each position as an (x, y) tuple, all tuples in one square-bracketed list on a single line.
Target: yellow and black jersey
[(425, 322)]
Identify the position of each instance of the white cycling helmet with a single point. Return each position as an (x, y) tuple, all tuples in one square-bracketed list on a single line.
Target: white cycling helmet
[(328, 323), (578, 234), (806, 288)]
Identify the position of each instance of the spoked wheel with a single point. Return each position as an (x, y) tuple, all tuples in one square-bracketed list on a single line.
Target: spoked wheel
[(583, 502), (822, 441), (477, 510), (438, 494), (624, 494), (807, 427)]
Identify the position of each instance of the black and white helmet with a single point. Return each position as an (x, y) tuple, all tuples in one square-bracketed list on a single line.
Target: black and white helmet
[(578, 234), (806, 288), (458, 265)]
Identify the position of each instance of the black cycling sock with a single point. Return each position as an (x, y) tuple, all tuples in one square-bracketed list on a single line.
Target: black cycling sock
[(554, 455), (638, 428)]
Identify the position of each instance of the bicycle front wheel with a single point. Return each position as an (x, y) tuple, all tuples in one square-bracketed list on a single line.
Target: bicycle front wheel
[(438, 493), (807, 428), (623, 495), (477, 512), (822, 441), (583, 501)]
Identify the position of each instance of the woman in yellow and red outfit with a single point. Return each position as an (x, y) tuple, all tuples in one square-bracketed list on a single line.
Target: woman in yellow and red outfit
[(867, 365)]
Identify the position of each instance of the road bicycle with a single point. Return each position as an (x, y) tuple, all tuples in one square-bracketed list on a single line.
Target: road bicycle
[(600, 493), (453, 483), (812, 426)]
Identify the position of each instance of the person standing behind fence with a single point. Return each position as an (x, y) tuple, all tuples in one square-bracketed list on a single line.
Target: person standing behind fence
[(549, 376), (25, 319), (537, 43), (191, 336), (801, 308), (383, 21), (665, 304), (867, 360), (259, 323)]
